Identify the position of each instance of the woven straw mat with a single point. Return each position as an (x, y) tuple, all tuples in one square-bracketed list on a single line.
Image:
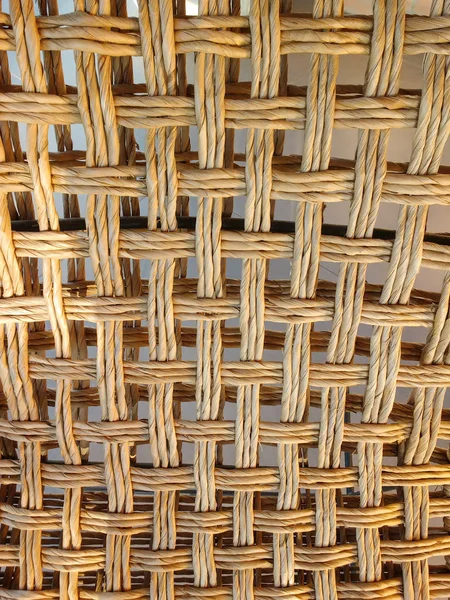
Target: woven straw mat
[(177, 420)]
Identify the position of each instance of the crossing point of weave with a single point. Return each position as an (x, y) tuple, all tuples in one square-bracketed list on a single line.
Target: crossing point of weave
[(139, 390)]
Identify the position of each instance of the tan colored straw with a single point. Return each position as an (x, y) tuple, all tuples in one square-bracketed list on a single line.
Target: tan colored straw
[(170, 431)]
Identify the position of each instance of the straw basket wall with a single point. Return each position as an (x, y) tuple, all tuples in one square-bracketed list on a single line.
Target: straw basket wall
[(204, 393)]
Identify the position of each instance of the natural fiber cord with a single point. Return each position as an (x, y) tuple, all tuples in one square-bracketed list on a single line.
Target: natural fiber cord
[(171, 432)]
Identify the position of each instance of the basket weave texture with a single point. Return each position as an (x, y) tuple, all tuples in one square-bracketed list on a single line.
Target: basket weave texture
[(132, 438)]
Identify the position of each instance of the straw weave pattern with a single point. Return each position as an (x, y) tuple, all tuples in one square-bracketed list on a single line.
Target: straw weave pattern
[(132, 445)]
